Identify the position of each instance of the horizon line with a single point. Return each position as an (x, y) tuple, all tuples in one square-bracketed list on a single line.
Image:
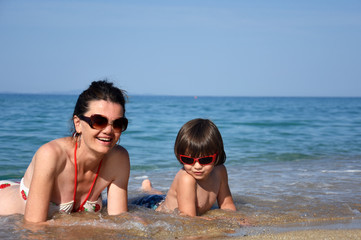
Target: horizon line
[(76, 93)]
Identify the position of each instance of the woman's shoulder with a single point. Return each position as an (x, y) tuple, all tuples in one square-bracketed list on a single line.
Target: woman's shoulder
[(56, 146), (118, 153), (118, 149), (117, 157), (49, 154), (54, 150), (50, 157)]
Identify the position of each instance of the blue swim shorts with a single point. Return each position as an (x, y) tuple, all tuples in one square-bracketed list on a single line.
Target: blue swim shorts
[(150, 201)]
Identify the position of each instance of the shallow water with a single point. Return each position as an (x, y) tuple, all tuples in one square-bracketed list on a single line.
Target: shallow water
[(142, 223), (289, 160)]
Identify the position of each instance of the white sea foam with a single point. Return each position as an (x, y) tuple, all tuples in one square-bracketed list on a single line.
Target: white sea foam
[(355, 211), (141, 177), (341, 171)]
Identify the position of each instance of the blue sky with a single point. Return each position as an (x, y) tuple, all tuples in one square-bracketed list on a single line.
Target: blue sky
[(217, 48)]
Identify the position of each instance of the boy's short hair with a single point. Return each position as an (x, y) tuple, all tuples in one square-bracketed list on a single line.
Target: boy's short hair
[(200, 137)]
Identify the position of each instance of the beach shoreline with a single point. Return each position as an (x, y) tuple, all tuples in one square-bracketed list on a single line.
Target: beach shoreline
[(347, 234), (317, 229), (145, 224)]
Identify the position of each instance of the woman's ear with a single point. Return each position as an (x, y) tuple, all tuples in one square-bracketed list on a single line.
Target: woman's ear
[(77, 124)]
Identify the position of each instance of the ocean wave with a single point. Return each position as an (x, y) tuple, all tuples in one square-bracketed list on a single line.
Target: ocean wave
[(342, 171)]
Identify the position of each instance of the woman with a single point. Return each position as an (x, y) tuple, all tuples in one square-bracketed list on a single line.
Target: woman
[(69, 174)]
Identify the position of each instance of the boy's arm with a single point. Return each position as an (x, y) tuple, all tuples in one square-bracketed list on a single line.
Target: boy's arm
[(186, 195), (224, 198)]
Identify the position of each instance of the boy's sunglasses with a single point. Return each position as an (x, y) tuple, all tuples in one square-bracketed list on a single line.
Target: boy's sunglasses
[(201, 160), (99, 122)]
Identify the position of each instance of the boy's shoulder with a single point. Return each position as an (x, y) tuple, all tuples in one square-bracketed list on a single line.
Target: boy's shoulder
[(220, 168), (183, 177), (182, 173), (221, 172)]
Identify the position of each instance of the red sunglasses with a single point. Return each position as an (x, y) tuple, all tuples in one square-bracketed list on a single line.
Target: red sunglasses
[(201, 160), (99, 122)]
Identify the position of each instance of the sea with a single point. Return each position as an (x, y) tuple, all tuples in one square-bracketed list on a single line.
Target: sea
[(291, 161)]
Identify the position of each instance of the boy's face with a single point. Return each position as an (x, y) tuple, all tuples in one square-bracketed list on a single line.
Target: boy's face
[(198, 171)]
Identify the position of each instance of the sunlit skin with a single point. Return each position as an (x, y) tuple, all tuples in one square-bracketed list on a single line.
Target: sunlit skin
[(196, 188), (51, 175), (198, 171), (99, 142)]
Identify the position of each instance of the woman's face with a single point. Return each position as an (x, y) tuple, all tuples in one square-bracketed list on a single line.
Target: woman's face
[(100, 140)]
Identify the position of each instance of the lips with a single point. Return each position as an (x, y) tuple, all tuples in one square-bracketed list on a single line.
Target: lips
[(103, 139)]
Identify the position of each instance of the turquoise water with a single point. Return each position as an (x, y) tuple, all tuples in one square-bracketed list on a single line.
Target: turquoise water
[(282, 153)]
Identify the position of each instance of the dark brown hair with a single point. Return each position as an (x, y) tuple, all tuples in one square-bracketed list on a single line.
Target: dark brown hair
[(99, 90), (200, 137)]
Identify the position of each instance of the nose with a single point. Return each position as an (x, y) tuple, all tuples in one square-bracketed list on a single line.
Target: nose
[(197, 165), (109, 127)]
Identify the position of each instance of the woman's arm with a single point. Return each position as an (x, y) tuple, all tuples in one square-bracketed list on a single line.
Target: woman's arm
[(118, 188), (42, 182), (224, 198)]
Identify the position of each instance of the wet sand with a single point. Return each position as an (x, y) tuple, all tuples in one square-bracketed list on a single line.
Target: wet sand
[(317, 229), (149, 225), (309, 234), (264, 222)]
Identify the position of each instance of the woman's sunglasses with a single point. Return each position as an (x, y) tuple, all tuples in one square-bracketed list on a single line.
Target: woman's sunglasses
[(201, 160), (99, 122)]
